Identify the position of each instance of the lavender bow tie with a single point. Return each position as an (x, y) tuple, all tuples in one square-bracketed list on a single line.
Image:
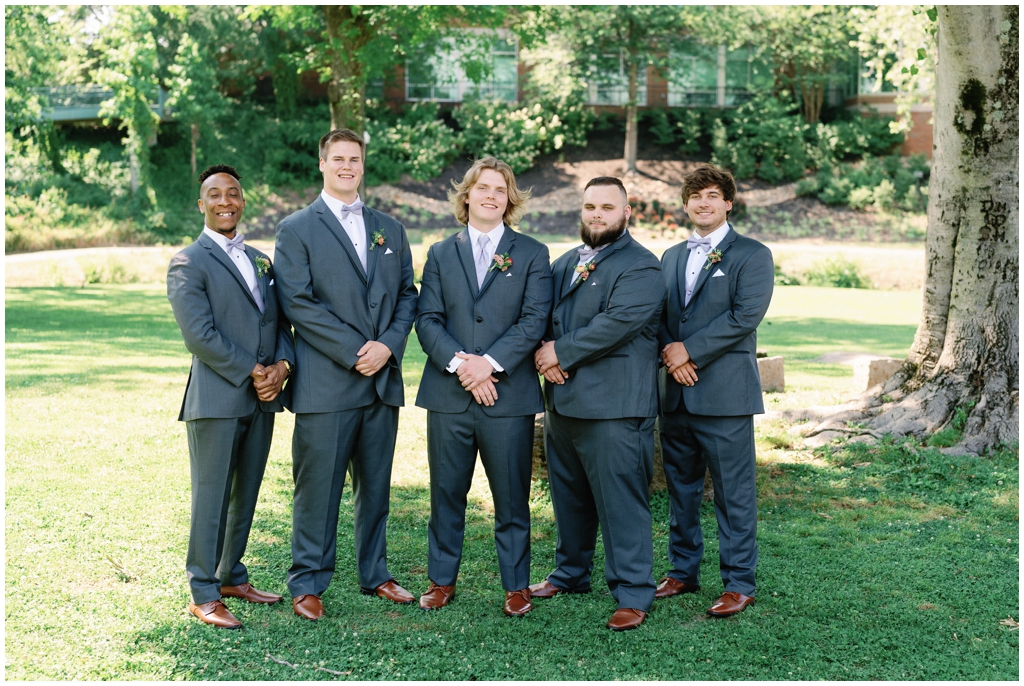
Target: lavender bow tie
[(587, 252), (354, 208), (235, 242), (692, 243)]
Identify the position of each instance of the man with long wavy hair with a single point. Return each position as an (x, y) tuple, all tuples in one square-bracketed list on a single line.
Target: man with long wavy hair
[(483, 308)]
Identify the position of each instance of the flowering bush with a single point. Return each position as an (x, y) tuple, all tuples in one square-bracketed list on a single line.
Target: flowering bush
[(416, 143)]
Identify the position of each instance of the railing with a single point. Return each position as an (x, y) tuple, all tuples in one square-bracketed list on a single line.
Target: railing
[(82, 103)]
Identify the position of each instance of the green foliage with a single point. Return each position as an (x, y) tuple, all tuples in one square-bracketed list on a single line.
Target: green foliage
[(884, 183), (857, 136), (680, 128), (951, 434), (783, 279), (416, 142), (837, 272), (762, 138)]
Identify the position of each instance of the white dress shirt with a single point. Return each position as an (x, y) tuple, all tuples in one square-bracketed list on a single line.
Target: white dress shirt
[(240, 260), (698, 258), (353, 225), (494, 235)]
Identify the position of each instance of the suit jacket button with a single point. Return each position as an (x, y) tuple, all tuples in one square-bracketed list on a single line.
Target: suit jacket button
[(479, 319), (555, 322), (479, 349), (373, 304), (263, 323)]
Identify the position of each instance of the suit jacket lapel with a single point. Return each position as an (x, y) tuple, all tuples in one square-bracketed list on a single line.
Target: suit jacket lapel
[(336, 229), (464, 246), (261, 280), (370, 224), (218, 254), (506, 245), (705, 274), (600, 257)]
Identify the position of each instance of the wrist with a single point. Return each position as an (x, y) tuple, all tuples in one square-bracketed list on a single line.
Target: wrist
[(287, 367)]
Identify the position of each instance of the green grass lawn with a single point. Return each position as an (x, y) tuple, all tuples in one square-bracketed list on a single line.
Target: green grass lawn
[(885, 562)]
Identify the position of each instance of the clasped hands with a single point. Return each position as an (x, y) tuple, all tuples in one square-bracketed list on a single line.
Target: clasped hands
[(268, 380), (678, 363), (547, 363), (476, 375)]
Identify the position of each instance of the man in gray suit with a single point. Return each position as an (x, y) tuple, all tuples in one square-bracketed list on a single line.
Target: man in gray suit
[(223, 297), (719, 287), (600, 368), (484, 305), (346, 281)]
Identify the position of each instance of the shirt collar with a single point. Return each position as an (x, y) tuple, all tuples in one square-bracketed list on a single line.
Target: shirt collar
[(219, 238), (333, 203), (718, 235), (494, 235)]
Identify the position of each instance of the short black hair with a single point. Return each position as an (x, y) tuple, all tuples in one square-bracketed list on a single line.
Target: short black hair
[(607, 181), (219, 169)]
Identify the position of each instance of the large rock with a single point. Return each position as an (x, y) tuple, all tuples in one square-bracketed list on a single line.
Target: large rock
[(658, 483), (869, 373), (773, 374)]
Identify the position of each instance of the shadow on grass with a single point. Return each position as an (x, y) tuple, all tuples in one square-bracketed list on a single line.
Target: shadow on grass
[(864, 573)]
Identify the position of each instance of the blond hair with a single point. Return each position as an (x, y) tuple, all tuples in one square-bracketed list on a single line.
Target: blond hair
[(516, 198)]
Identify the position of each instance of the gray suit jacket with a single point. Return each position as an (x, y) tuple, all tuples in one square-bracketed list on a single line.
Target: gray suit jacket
[(718, 327), (605, 332), (335, 307), (225, 332), (505, 318)]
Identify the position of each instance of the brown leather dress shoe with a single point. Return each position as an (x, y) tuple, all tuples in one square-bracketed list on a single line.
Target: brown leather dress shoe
[(517, 603), (216, 613), (392, 591), (308, 606), (543, 590), (249, 594), (729, 604), (436, 596), (626, 618), (669, 587)]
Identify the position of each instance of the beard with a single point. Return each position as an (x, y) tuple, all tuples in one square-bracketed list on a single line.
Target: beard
[(595, 239)]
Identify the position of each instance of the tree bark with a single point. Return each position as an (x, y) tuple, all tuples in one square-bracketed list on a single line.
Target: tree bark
[(346, 90), (966, 351), (195, 140), (630, 153)]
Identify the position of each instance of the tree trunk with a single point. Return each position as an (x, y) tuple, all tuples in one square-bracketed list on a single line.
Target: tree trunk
[(629, 154), (195, 139), (965, 353), (346, 90)]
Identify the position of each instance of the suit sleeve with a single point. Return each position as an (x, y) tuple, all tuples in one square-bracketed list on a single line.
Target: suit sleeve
[(754, 284), (186, 289), (636, 297), (664, 333), (431, 320), (522, 338), (405, 306), (310, 317)]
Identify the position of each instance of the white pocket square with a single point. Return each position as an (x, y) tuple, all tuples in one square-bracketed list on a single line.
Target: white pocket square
[(593, 283), (718, 272), (388, 251), (508, 275), (271, 283)]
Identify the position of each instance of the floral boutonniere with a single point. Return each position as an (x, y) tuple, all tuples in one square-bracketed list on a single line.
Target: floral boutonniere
[(262, 265), (501, 263), (377, 238), (714, 257), (584, 270)]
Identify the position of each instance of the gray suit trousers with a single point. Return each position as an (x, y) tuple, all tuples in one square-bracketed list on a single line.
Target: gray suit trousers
[(324, 446), (690, 445), (506, 451), (600, 471), (227, 459)]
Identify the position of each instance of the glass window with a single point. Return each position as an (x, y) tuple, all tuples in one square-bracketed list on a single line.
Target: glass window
[(439, 76), (744, 75), (609, 81), (692, 74)]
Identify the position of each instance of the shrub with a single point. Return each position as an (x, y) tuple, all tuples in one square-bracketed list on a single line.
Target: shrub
[(885, 183), (680, 128), (763, 137), (857, 135), (837, 272), (783, 279), (416, 142)]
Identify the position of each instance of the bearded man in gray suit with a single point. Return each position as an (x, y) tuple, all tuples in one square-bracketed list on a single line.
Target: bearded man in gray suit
[(600, 370), (225, 303), (719, 287), (346, 281), (486, 295)]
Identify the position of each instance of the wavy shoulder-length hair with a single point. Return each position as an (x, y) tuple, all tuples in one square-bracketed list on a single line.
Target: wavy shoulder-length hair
[(516, 198)]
